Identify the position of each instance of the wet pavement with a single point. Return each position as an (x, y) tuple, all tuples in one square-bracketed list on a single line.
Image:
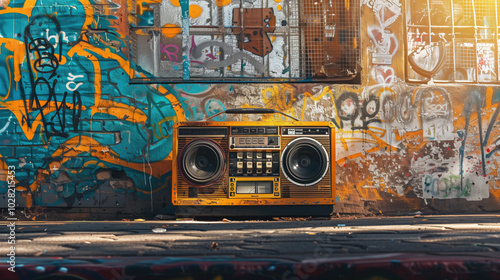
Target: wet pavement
[(455, 241)]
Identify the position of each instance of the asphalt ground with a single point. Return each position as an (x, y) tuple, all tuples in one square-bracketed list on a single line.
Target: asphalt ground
[(454, 247)]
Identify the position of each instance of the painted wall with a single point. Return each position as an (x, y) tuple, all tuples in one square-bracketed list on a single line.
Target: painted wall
[(82, 137)]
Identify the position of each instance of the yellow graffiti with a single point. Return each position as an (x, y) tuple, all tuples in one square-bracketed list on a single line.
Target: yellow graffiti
[(175, 3), (275, 97), (160, 130), (307, 95), (94, 162)]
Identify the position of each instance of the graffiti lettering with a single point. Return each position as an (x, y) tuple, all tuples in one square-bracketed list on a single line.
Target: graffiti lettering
[(446, 187), (56, 38), (231, 58), (45, 64), (349, 108), (475, 105), (171, 55)]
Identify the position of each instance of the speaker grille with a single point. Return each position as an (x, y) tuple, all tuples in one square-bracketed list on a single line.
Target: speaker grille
[(217, 189), (321, 189)]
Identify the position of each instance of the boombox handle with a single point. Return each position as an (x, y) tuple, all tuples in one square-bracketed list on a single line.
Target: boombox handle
[(251, 111)]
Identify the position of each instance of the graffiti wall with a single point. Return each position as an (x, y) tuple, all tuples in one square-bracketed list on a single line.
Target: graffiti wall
[(90, 90)]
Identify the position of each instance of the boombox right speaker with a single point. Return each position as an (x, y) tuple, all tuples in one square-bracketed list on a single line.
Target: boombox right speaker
[(253, 163), (305, 167)]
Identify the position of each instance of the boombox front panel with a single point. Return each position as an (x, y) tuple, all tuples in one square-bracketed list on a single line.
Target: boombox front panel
[(258, 148)]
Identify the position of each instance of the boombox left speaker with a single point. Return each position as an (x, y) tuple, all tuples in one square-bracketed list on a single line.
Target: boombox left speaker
[(253, 163), (201, 161)]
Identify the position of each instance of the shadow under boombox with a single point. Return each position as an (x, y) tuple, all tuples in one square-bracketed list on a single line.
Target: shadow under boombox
[(284, 168)]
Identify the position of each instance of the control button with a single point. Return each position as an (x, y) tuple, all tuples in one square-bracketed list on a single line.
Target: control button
[(239, 164), (270, 140), (276, 179), (276, 194), (249, 155), (269, 155), (258, 155), (269, 164), (253, 130), (232, 179), (240, 155), (261, 141), (232, 184), (269, 171), (242, 141), (232, 189), (232, 194), (255, 140), (249, 165), (259, 164), (248, 140), (272, 130), (276, 189), (276, 184), (239, 171), (259, 171), (261, 130), (246, 130)]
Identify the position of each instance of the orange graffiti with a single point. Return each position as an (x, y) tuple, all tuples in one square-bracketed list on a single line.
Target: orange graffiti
[(84, 144), (222, 3), (17, 47), (195, 11), (81, 48), (170, 30), (120, 110)]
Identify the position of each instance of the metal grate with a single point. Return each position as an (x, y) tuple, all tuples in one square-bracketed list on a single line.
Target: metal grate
[(469, 30), (253, 40), (485, 13)]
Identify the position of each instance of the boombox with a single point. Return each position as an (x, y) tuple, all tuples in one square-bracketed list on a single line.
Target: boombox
[(253, 163)]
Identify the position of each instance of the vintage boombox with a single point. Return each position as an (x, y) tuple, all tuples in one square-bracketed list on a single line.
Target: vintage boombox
[(253, 163)]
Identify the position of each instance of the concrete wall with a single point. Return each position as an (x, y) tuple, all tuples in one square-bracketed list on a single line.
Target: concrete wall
[(85, 140)]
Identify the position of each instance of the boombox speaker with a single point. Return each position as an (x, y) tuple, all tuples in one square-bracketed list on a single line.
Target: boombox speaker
[(253, 163)]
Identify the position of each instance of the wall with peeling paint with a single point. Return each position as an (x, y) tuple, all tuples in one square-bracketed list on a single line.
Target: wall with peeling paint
[(87, 127)]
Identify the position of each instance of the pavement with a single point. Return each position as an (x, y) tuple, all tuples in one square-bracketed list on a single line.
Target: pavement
[(416, 247)]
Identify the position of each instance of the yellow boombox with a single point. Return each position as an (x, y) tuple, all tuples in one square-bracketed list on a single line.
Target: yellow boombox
[(253, 163)]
